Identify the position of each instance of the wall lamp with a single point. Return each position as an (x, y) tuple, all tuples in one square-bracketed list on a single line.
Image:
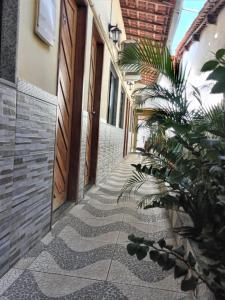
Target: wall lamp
[(114, 33), (130, 84)]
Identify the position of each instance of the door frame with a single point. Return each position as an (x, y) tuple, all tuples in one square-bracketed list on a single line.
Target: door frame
[(97, 102), (126, 131), (96, 105), (76, 122)]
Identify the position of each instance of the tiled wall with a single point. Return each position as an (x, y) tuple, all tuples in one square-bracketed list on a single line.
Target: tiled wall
[(110, 150), (129, 146), (7, 145), (82, 155), (27, 138)]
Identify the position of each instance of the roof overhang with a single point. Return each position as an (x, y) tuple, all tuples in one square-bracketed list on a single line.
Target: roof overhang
[(144, 112), (208, 15), (148, 19)]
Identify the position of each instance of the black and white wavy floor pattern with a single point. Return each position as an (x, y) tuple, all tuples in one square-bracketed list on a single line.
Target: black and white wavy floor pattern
[(85, 256)]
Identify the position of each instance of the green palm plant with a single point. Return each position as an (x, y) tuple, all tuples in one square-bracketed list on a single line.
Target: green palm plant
[(214, 119), (191, 161), (146, 55)]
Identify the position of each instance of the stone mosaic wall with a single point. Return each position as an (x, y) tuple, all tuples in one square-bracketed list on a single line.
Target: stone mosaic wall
[(8, 39), (27, 138)]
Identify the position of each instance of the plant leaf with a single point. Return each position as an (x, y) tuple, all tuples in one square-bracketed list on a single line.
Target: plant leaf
[(169, 264), (180, 250), (189, 284), (220, 53), (162, 259), (209, 65), (218, 88), (149, 242), (131, 248), (162, 243), (135, 239), (191, 260), (142, 252), (218, 74), (180, 269), (154, 255)]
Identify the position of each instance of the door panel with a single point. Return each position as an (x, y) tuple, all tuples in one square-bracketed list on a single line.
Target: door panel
[(91, 96), (65, 98), (93, 108)]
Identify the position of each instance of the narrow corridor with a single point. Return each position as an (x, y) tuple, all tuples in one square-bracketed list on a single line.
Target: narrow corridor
[(85, 256)]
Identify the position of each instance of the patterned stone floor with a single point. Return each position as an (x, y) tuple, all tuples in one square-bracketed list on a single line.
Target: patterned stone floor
[(85, 257)]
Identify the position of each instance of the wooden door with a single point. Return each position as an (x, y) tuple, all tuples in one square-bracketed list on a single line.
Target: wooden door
[(65, 100), (93, 109), (91, 112)]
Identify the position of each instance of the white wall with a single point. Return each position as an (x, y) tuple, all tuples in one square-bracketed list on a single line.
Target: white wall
[(100, 12), (37, 63), (111, 138), (142, 135), (212, 38)]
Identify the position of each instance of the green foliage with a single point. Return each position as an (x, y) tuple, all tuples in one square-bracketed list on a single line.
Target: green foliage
[(209, 65), (217, 67), (168, 257), (188, 165), (134, 183), (184, 264), (147, 55)]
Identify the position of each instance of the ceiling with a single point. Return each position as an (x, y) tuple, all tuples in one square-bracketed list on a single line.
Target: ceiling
[(148, 19)]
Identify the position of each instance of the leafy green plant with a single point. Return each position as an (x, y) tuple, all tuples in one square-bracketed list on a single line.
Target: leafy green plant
[(168, 257), (217, 68), (189, 164)]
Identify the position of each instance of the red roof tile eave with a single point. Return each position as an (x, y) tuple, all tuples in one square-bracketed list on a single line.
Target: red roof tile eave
[(211, 8)]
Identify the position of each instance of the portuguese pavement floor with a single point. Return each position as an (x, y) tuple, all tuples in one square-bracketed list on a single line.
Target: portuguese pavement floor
[(85, 256)]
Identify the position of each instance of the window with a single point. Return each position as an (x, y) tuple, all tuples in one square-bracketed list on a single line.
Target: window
[(122, 106), (113, 93)]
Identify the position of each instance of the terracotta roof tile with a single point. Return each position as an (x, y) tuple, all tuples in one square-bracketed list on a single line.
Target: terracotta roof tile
[(207, 15), (147, 19)]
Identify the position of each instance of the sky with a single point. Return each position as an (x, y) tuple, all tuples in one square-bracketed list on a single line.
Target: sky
[(186, 20)]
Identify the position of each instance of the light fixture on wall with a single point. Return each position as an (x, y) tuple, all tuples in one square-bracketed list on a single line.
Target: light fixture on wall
[(114, 33), (130, 84)]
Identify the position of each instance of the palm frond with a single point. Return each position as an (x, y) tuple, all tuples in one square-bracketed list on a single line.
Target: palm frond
[(133, 183), (150, 200), (161, 199), (156, 92), (215, 119), (146, 55)]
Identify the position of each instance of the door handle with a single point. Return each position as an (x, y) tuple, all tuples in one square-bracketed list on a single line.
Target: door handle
[(93, 112), (64, 20)]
